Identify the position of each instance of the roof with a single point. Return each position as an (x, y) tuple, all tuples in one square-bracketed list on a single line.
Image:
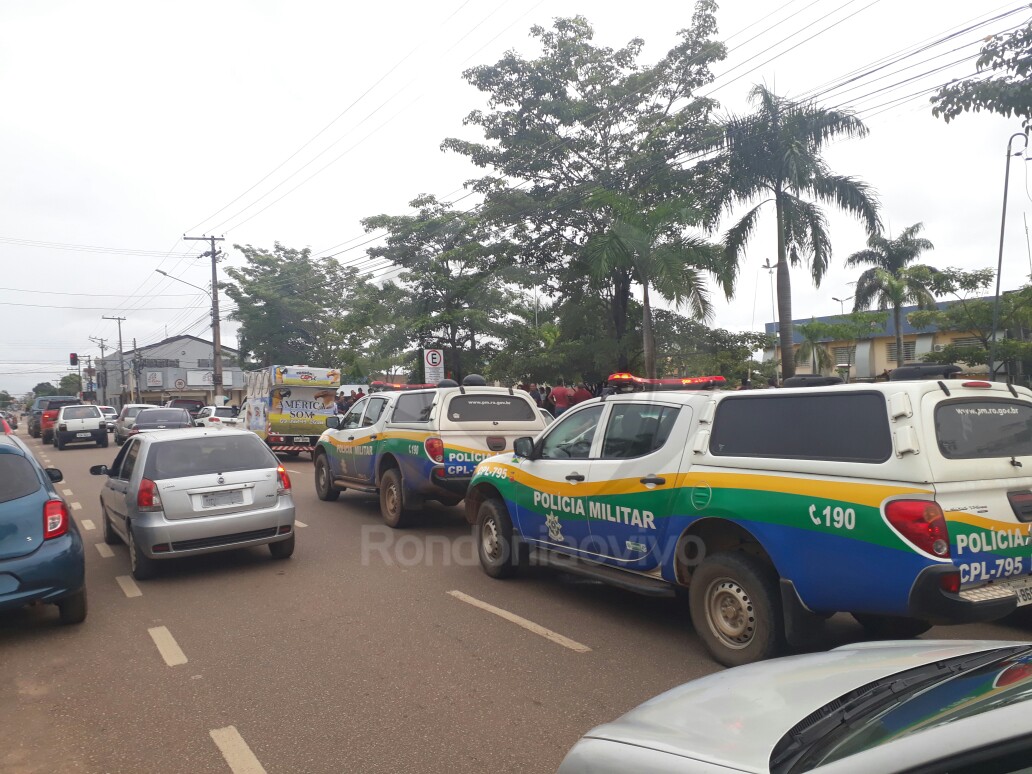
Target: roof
[(181, 433), (169, 340)]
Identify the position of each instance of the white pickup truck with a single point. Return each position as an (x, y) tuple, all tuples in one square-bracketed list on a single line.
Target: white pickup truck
[(80, 424), (217, 415)]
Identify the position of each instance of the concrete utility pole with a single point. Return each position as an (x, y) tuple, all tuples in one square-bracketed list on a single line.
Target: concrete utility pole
[(121, 358), (216, 330), (103, 387)]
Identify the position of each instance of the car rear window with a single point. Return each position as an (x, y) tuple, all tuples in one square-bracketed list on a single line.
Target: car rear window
[(971, 428), (224, 412), (17, 477), (207, 454), (843, 427), (414, 408), (132, 411), (161, 416), (81, 412), (488, 408)]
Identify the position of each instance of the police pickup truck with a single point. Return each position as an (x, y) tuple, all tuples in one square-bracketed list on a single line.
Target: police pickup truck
[(904, 503), (414, 445)]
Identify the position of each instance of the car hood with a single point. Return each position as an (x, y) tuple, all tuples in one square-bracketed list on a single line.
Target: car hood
[(736, 717)]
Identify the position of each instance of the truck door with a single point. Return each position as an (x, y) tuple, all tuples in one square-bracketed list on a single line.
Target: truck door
[(367, 440)]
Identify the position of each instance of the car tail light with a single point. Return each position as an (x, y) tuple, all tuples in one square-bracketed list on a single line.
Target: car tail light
[(213, 419), (950, 582), (276, 438), (55, 519), (977, 384), (284, 480), (922, 523), (63, 426), (147, 498), (434, 449)]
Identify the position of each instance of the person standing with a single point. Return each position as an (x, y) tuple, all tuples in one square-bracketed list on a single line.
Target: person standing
[(581, 394), (562, 397)]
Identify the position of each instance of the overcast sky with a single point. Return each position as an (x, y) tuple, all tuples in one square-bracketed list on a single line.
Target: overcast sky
[(127, 124)]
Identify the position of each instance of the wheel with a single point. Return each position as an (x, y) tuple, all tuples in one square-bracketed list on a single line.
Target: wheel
[(142, 566), (293, 453), (58, 442), (47, 437), (891, 627), (283, 549), (392, 500), (118, 440), (110, 536), (324, 487), (495, 540), (736, 609), (102, 443), (73, 609)]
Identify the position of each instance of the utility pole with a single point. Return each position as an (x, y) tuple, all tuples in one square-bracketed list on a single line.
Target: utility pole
[(121, 358), (216, 330), (103, 387), (137, 372)]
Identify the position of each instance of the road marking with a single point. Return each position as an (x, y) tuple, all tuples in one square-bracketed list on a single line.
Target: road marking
[(87, 524), (129, 586), (104, 550), (530, 626), (299, 523), (167, 646), (66, 492), (76, 506), (295, 472), (236, 752)]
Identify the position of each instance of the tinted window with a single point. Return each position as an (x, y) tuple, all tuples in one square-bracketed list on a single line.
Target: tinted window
[(354, 415), (162, 417), (983, 428), (17, 477), (373, 412), (81, 412), (129, 465), (571, 435), (194, 456), (635, 429), (224, 412), (488, 408), (850, 426), (415, 407), (131, 411)]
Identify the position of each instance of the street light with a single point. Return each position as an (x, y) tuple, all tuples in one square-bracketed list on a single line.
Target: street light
[(842, 301), (770, 267), (999, 261), (216, 364)]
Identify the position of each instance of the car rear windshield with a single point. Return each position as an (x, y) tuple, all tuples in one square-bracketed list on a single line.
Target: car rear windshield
[(224, 412), (207, 454), (81, 412), (488, 408), (17, 477), (161, 416), (983, 428), (414, 408), (56, 403), (132, 411)]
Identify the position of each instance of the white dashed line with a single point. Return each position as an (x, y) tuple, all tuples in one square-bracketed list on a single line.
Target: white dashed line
[(76, 506), (129, 586), (530, 626), (66, 492), (88, 524), (167, 646), (105, 550), (236, 752), (295, 472), (299, 523)]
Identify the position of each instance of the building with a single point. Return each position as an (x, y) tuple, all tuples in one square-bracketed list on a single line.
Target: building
[(178, 367), (871, 356)]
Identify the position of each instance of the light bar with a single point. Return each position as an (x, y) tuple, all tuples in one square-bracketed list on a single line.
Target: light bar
[(394, 387), (626, 382)]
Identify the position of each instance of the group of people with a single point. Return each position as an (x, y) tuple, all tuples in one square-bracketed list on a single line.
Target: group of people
[(343, 403), (560, 398)]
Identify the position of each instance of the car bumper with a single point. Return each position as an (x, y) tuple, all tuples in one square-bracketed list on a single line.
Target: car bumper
[(930, 603), (71, 436), (50, 573), (441, 482), (204, 535)]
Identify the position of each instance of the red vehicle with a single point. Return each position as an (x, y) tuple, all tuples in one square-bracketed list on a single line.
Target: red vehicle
[(49, 416)]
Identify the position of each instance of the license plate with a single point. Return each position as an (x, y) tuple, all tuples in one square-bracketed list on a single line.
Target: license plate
[(83, 435), (1022, 588), (219, 499), (300, 439)]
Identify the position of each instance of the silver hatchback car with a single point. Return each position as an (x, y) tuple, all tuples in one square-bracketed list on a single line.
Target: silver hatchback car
[(176, 493)]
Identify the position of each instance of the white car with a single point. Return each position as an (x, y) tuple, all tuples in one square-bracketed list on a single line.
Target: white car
[(218, 415), (110, 415), (78, 424)]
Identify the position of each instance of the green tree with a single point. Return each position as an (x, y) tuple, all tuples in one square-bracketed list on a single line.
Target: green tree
[(774, 155), (649, 244), (1007, 56), (5, 399), (70, 384), (45, 388), (582, 118), (813, 349), (894, 279), (686, 347)]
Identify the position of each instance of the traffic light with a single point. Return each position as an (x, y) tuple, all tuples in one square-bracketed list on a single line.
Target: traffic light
[(73, 359)]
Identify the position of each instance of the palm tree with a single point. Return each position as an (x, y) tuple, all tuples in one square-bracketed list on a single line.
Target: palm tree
[(812, 349), (650, 244), (774, 154), (894, 279)]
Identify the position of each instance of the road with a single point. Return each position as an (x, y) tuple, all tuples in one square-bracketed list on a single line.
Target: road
[(370, 650)]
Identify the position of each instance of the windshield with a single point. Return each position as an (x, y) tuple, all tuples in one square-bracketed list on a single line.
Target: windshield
[(81, 412), (488, 408), (224, 412), (982, 427), (196, 456), (161, 416)]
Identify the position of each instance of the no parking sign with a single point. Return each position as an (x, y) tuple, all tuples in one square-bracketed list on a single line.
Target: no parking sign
[(433, 365)]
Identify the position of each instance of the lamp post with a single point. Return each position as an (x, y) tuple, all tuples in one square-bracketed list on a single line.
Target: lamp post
[(216, 363), (999, 260), (842, 302), (770, 267)]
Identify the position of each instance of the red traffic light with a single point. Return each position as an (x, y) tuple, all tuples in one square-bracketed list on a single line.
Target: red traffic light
[(73, 359)]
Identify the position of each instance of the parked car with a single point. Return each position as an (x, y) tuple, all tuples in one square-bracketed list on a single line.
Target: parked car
[(218, 415), (110, 416), (126, 420), (76, 424), (184, 492), (41, 553), (151, 419), (190, 404), (927, 706)]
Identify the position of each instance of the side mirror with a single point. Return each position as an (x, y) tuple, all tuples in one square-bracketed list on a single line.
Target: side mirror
[(54, 475), (523, 447), (333, 422), (96, 470)]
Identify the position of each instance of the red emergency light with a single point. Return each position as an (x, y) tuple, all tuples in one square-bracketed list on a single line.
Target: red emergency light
[(394, 387), (625, 382)]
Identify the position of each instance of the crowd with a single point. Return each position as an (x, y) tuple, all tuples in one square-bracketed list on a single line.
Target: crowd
[(559, 398)]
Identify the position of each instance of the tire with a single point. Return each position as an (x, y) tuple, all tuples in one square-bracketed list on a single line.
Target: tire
[(736, 608), (102, 443), (283, 549), (495, 544), (142, 566), (47, 437), (118, 440), (392, 500), (324, 488), (59, 443), (891, 627), (72, 609), (110, 536)]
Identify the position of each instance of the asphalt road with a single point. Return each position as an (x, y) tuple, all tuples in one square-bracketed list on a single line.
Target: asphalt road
[(369, 650)]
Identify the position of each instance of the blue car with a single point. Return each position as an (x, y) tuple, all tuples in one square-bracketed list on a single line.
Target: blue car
[(41, 553)]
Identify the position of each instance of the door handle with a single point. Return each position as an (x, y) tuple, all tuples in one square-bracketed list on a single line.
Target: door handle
[(575, 477), (351, 438), (372, 438), (650, 479)]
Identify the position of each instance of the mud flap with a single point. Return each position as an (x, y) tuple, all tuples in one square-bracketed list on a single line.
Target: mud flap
[(801, 625)]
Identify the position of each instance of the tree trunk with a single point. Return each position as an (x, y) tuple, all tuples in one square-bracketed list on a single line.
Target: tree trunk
[(784, 296), (897, 318), (621, 299), (648, 335)]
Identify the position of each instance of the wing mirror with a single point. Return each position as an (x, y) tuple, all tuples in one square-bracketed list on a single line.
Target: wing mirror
[(333, 422), (523, 447), (54, 475), (98, 470)]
